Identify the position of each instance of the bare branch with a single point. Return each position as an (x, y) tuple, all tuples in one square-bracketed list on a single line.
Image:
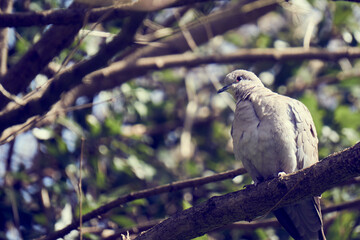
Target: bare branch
[(248, 55), (37, 57), (120, 71), (5, 7), (76, 15), (230, 17), (247, 226), (131, 230), (328, 173), (262, 199), (70, 77), (56, 39), (356, 1), (143, 194)]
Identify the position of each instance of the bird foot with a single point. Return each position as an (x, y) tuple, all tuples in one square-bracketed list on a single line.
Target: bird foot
[(248, 186), (281, 175)]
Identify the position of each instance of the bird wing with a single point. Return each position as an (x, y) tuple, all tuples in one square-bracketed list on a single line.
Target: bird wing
[(306, 137), (303, 220)]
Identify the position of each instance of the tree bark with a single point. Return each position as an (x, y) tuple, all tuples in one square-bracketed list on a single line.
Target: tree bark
[(259, 200)]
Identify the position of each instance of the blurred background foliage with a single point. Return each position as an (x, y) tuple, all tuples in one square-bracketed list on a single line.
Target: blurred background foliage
[(170, 125)]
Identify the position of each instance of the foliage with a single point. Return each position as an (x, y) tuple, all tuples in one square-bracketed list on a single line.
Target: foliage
[(170, 125)]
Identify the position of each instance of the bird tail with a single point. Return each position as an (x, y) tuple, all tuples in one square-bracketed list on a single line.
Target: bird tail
[(303, 220)]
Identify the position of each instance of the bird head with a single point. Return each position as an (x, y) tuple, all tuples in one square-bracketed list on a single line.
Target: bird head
[(239, 80)]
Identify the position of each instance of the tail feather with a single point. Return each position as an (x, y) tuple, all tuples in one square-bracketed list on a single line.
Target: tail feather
[(303, 220)]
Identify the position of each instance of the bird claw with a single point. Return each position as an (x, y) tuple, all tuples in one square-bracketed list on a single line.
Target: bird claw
[(281, 175), (248, 186)]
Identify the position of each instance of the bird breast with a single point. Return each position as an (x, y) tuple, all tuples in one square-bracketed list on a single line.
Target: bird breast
[(264, 143)]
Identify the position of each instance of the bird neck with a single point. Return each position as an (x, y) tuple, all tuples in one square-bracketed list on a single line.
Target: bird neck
[(243, 92)]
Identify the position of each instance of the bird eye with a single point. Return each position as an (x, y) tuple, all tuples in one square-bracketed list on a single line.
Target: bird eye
[(238, 78)]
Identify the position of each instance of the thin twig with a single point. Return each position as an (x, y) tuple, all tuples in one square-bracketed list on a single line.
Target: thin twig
[(71, 16), (80, 188), (176, 186), (34, 121)]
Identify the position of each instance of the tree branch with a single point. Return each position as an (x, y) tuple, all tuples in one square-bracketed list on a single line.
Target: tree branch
[(248, 55), (121, 71), (37, 57), (247, 226), (53, 41), (70, 77), (5, 7), (76, 15), (144, 194), (356, 1), (231, 17), (262, 199), (242, 205)]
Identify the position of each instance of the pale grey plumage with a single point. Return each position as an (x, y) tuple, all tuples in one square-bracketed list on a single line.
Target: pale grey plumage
[(273, 134)]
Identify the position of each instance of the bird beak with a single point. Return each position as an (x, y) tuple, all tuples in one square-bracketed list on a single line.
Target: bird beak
[(224, 88)]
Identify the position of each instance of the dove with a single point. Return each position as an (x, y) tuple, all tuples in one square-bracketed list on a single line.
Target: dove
[(274, 135)]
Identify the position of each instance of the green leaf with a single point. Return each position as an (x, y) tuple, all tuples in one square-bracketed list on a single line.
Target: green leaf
[(310, 101), (168, 75), (40, 219), (203, 237), (350, 82), (123, 221), (113, 125), (263, 41), (342, 227), (342, 12), (234, 38), (71, 125), (192, 168), (94, 124), (141, 169), (347, 118), (186, 205)]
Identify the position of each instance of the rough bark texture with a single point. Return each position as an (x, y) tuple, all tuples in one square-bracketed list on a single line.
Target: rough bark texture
[(258, 200)]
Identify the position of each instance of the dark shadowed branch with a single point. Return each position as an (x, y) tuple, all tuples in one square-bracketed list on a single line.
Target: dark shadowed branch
[(71, 76), (246, 204), (76, 15), (246, 226), (230, 17), (256, 201), (256, 55), (37, 57), (122, 71), (5, 7), (56, 39), (144, 194)]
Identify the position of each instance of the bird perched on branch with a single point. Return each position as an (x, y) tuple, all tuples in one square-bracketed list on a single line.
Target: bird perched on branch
[(272, 135)]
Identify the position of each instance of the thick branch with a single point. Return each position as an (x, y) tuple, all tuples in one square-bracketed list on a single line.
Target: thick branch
[(144, 194), (201, 31), (248, 55), (262, 199), (356, 1), (37, 57), (56, 39), (327, 174), (218, 23), (234, 15), (74, 16), (247, 226), (120, 71), (71, 77)]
